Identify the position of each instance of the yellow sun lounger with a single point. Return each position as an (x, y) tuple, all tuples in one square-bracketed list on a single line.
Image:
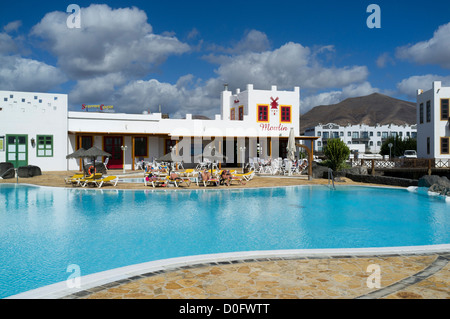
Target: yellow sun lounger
[(179, 181), (105, 180), (247, 176), (156, 181), (74, 178), (82, 181)]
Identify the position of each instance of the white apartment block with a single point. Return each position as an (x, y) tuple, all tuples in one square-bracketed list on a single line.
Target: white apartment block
[(362, 138), (433, 122)]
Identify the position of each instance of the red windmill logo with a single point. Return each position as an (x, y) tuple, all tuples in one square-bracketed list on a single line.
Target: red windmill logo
[(274, 103)]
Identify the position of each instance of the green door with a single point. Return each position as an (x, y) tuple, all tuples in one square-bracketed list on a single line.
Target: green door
[(17, 150)]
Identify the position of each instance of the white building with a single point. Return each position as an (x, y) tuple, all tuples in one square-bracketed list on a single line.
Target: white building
[(33, 129), (252, 123), (36, 129), (362, 138), (433, 120)]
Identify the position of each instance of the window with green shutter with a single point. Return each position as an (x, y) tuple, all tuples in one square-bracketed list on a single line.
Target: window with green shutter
[(44, 146)]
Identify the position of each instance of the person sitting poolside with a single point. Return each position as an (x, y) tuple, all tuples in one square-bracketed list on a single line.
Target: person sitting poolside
[(206, 175), (174, 176), (225, 177)]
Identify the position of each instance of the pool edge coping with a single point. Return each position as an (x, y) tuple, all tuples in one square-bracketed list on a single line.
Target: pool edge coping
[(118, 275)]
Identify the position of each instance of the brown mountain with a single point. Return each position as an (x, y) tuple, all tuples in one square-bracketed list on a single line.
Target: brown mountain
[(371, 110)]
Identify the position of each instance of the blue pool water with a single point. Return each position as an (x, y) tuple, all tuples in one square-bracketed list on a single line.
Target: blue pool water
[(44, 230)]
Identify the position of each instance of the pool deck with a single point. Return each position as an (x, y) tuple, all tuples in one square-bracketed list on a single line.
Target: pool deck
[(402, 272)]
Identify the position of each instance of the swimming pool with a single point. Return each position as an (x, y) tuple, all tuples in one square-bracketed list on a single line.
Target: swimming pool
[(43, 230)]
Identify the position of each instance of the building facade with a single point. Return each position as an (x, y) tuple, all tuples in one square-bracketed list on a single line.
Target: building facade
[(37, 129), (362, 138), (433, 121), (33, 129)]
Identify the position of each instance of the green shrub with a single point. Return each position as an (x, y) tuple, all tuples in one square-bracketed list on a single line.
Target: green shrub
[(337, 153)]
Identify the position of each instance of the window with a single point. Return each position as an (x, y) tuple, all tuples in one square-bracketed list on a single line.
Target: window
[(378, 134), (44, 146), (23, 100), (414, 134), (5, 99), (87, 142), (428, 111), (285, 114), (140, 146), (326, 135), (319, 133), (232, 114), (428, 145), (445, 145), (341, 133), (384, 135), (335, 134), (421, 113), (355, 135), (241, 113), (263, 113), (169, 145), (444, 110), (378, 143), (371, 134), (349, 134)]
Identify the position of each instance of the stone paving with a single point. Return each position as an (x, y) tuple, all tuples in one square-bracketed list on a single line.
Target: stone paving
[(401, 277)]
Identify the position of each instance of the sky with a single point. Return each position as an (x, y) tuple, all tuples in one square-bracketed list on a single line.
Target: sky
[(177, 55)]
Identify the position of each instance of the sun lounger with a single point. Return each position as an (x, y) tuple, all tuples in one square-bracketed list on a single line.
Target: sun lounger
[(105, 180), (83, 181), (156, 181), (247, 176), (212, 181), (178, 180), (237, 180), (207, 179), (74, 178)]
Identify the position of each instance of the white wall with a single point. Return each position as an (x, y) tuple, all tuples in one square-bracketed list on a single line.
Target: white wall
[(436, 128), (36, 114)]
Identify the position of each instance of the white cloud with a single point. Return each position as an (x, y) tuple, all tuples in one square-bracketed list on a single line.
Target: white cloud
[(409, 86), (433, 51), (109, 41), (7, 44), (12, 26), (21, 74), (385, 59), (139, 96), (96, 90), (290, 65)]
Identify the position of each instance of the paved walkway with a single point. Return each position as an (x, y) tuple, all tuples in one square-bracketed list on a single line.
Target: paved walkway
[(422, 276)]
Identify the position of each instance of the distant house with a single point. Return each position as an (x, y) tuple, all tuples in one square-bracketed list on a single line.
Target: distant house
[(362, 138), (433, 121)]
